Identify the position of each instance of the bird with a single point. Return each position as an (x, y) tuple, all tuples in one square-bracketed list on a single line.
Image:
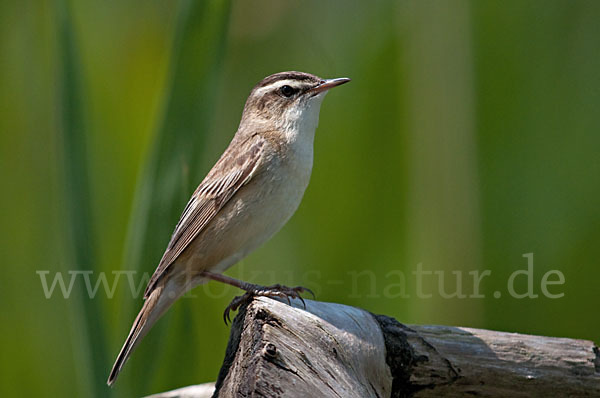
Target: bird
[(250, 193)]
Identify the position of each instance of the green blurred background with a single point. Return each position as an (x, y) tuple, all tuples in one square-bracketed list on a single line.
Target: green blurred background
[(469, 136)]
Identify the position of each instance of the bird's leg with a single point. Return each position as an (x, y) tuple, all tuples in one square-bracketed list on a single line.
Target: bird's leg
[(255, 290)]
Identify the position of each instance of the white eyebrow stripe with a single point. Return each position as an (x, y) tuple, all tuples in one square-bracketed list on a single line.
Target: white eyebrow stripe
[(277, 84)]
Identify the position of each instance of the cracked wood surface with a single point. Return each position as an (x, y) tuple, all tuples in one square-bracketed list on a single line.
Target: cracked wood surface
[(332, 350), (327, 350)]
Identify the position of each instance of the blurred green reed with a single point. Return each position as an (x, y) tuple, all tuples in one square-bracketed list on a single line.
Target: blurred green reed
[(172, 169), (197, 52), (88, 319)]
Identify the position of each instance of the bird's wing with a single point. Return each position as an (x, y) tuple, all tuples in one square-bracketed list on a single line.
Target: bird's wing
[(235, 168)]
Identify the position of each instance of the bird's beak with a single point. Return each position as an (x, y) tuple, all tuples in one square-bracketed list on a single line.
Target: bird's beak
[(327, 84)]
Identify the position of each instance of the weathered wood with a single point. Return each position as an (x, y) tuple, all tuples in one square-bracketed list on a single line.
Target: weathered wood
[(332, 350), (205, 390), (328, 350), (445, 361)]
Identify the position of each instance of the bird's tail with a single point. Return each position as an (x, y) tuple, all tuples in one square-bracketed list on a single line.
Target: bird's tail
[(159, 300)]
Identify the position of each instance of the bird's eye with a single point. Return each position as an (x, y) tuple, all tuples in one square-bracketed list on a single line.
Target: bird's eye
[(287, 91)]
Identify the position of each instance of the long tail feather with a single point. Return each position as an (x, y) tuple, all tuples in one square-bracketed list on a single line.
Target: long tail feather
[(159, 300)]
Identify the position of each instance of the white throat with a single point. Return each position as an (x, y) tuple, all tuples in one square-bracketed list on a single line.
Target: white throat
[(300, 122)]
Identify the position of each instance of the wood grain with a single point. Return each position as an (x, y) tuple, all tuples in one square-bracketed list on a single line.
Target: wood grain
[(333, 350)]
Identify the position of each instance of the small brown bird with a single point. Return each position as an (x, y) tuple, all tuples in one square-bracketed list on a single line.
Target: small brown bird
[(250, 193)]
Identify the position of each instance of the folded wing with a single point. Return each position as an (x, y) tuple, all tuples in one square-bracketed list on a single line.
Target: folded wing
[(235, 168)]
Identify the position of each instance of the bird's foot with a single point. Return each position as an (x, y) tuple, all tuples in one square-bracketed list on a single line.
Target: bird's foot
[(266, 291)]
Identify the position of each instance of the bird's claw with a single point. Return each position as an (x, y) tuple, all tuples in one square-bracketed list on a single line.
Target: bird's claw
[(235, 304), (277, 290)]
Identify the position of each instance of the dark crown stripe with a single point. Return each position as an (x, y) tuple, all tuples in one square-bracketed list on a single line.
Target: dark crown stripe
[(292, 75)]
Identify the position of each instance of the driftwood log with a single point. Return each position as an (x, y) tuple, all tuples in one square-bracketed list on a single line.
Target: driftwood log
[(332, 350)]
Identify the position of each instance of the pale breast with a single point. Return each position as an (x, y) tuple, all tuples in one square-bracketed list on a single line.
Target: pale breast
[(253, 215), (281, 187)]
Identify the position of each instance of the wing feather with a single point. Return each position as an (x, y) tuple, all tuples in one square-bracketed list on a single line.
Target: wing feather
[(235, 168)]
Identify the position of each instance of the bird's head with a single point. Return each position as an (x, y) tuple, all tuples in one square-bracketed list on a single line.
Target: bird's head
[(287, 101)]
